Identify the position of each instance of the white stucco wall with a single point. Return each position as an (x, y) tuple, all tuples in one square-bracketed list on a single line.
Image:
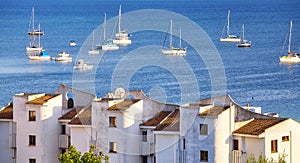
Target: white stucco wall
[(46, 129), (5, 150), (289, 128), (80, 137), (126, 134), (166, 146), (218, 142)]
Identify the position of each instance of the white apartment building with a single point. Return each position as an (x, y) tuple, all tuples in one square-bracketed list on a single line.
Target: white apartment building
[(139, 129)]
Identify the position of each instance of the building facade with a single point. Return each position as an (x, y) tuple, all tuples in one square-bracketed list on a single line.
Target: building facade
[(133, 128)]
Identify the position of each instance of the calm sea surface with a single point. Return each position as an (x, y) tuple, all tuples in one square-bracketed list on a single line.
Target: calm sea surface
[(253, 75)]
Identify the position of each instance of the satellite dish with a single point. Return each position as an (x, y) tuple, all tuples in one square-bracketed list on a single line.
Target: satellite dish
[(120, 92)]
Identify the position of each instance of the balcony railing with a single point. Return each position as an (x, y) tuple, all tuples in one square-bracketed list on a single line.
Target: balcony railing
[(146, 148), (63, 141), (236, 156), (12, 141)]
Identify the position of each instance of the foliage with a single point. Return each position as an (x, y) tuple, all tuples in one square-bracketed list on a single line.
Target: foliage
[(74, 156), (262, 159)]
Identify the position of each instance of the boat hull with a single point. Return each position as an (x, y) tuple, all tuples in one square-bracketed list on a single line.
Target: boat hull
[(180, 52), (122, 42), (39, 58), (290, 59), (244, 45), (109, 47), (31, 49), (230, 39), (93, 52)]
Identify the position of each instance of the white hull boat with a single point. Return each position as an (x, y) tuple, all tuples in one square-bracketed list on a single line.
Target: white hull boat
[(63, 57), (80, 65), (230, 37), (122, 37), (292, 57), (174, 51), (39, 56), (244, 43)]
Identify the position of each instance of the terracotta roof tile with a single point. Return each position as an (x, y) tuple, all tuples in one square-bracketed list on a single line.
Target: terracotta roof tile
[(156, 119), (6, 112), (71, 114), (214, 111), (123, 105), (258, 126), (42, 100), (84, 118), (171, 123)]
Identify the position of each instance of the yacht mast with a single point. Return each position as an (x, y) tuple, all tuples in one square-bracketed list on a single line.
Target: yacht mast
[(290, 37)]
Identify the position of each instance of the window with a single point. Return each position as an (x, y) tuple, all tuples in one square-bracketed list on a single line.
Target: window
[(204, 156), (70, 103), (273, 146), (112, 122), (235, 144), (203, 129), (183, 143), (144, 159), (112, 147), (144, 136), (285, 138), (31, 139), (63, 129), (31, 160), (31, 115)]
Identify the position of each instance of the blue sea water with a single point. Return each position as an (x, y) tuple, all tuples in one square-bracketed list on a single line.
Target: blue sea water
[(253, 75)]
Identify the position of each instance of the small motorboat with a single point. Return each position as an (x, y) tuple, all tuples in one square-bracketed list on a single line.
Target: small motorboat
[(80, 65), (39, 56), (63, 57), (72, 43)]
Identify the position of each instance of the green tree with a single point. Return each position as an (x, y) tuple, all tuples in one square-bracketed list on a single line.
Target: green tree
[(74, 156)]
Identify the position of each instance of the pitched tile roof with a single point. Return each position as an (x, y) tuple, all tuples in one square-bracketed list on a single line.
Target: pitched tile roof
[(258, 126), (84, 118), (42, 100), (214, 111), (71, 114), (6, 112), (156, 119), (123, 105), (170, 123)]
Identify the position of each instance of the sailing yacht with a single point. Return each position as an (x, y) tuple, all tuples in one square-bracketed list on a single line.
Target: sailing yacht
[(107, 44), (230, 37), (32, 30), (93, 51), (172, 50), (122, 37), (35, 47), (243, 42), (291, 57)]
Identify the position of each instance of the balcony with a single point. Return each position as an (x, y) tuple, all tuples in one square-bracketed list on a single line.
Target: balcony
[(146, 148), (236, 156), (12, 141), (63, 141)]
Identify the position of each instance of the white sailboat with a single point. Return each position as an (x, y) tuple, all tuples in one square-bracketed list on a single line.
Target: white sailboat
[(32, 30), (243, 42), (230, 37), (172, 50), (35, 46), (291, 57), (93, 51), (107, 43), (122, 37)]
